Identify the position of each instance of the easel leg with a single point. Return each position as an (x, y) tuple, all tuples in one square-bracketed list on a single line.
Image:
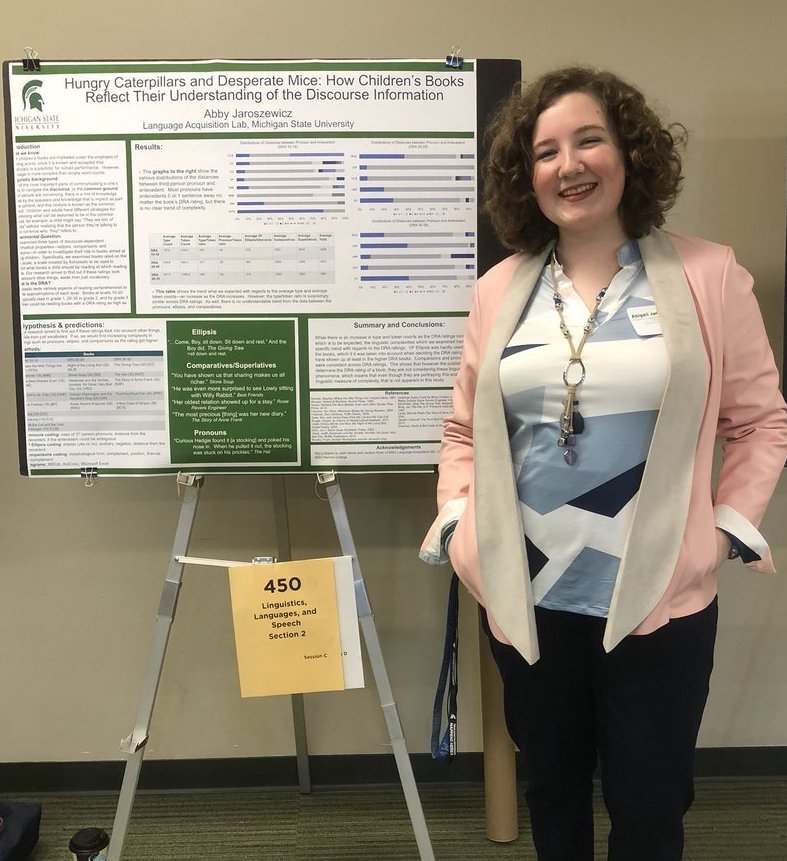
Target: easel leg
[(134, 745), (284, 554), (372, 641)]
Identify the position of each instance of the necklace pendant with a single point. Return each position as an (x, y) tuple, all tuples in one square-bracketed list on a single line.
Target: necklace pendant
[(570, 456)]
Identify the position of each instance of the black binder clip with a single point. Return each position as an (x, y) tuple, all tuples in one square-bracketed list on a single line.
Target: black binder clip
[(453, 60), (90, 474), (31, 63)]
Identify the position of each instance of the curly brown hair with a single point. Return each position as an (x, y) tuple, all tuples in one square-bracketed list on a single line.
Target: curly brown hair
[(650, 153)]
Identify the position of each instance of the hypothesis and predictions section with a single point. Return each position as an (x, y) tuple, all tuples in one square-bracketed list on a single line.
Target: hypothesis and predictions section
[(233, 394)]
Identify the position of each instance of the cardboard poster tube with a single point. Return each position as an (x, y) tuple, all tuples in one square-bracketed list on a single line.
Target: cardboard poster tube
[(499, 762)]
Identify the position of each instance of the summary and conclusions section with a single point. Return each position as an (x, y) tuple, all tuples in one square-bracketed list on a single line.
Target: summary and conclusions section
[(385, 400)]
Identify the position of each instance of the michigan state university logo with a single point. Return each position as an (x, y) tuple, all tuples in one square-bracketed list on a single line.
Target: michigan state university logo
[(33, 117), (31, 96)]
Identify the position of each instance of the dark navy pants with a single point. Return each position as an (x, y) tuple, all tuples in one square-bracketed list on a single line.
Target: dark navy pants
[(637, 710)]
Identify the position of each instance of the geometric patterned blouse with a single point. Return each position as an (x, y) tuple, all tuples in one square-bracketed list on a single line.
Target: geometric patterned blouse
[(576, 518)]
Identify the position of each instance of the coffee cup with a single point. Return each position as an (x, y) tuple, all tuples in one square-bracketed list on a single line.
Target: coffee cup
[(88, 845)]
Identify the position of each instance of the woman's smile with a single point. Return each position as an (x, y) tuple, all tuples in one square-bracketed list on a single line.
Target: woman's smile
[(578, 192)]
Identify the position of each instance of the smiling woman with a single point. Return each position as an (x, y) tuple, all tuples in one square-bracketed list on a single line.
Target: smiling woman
[(649, 150), (576, 491)]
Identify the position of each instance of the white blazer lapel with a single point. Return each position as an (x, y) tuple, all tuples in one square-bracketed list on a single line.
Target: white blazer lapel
[(504, 570), (659, 519)]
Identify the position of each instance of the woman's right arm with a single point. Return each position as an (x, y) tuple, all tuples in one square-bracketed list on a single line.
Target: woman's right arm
[(456, 451)]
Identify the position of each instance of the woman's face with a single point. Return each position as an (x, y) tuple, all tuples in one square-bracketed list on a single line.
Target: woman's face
[(578, 169)]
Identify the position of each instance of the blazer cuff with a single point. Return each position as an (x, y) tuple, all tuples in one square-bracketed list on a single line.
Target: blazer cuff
[(433, 550), (754, 549)]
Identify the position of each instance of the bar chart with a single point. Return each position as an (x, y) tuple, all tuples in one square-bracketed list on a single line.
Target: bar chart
[(415, 179), (417, 256), (300, 182)]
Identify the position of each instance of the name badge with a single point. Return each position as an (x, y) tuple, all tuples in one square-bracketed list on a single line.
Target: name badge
[(645, 321)]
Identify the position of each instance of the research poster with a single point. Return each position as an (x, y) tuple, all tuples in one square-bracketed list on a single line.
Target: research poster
[(236, 266)]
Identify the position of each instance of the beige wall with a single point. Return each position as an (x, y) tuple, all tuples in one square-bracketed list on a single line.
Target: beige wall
[(81, 570)]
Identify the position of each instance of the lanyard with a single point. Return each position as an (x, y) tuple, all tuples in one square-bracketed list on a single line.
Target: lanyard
[(445, 747)]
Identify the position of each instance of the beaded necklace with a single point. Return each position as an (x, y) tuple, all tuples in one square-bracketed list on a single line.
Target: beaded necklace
[(571, 421)]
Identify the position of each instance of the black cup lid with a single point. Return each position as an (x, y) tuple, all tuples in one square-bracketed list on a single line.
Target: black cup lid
[(88, 838)]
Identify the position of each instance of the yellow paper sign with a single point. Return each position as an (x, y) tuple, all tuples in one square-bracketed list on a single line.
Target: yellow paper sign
[(286, 628)]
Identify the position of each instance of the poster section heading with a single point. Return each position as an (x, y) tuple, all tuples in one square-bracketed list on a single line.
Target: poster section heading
[(247, 299)]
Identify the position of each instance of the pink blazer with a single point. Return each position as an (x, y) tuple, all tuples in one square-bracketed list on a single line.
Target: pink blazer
[(723, 382)]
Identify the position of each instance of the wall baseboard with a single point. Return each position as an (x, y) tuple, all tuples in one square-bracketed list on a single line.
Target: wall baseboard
[(348, 770)]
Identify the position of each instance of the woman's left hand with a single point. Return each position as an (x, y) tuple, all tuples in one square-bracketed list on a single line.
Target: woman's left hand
[(723, 545)]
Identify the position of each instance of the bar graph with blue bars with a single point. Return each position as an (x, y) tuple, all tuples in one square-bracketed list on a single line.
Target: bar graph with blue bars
[(417, 257), (310, 182), (415, 179)]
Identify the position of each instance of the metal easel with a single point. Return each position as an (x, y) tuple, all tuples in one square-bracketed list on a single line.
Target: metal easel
[(134, 745), (366, 618)]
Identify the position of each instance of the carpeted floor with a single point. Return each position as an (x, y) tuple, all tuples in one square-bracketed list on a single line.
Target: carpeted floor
[(731, 821)]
